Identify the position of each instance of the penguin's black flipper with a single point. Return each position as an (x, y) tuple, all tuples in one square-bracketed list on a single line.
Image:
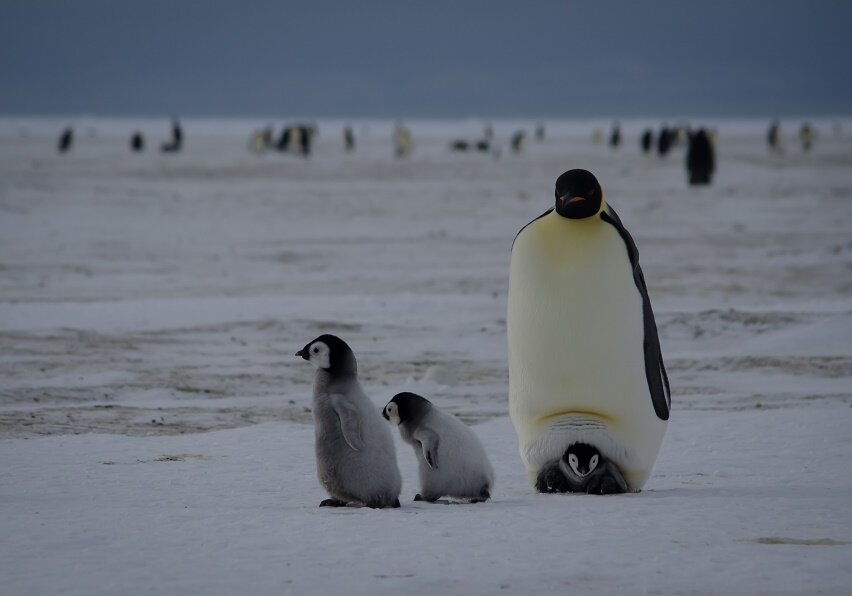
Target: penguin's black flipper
[(655, 369)]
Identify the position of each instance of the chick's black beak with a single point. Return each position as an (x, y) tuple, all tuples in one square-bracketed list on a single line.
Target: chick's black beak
[(302, 354)]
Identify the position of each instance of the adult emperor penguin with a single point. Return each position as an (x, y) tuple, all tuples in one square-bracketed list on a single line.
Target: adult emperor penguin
[(452, 462), (356, 457), (584, 355)]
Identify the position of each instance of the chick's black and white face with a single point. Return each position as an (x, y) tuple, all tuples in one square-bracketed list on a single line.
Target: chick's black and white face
[(318, 354), (391, 413)]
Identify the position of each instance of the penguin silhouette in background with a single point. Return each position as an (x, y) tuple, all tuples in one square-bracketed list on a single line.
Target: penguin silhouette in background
[(806, 137), (646, 141), (66, 140), (700, 158), (261, 140), (615, 136), (664, 141), (518, 141), (773, 137), (284, 139), (306, 138), (137, 142), (348, 139), (402, 140), (483, 145), (176, 143)]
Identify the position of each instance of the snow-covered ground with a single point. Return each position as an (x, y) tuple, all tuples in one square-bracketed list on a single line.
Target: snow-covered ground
[(146, 298)]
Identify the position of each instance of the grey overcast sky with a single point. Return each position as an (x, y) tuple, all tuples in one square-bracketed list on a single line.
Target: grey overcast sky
[(429, 58)]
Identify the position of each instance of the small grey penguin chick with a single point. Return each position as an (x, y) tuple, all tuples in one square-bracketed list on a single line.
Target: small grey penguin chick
[(356, 457), (451, 459)]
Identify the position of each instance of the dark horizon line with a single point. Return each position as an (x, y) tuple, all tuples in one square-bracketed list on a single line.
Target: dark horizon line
[(484, 117)]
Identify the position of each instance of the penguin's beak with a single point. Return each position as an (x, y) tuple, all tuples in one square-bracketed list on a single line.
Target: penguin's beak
[(301, 353), (567, 199)]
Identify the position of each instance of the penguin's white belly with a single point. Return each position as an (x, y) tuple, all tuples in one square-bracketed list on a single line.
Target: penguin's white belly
[(576, 354)]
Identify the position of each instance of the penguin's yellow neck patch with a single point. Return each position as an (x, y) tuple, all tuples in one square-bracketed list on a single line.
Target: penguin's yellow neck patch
[(588, 413), (558, 234)]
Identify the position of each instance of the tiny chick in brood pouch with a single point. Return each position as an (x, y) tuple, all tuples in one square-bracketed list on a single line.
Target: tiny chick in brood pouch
[(582, 469), (356, 457), (452, 461)]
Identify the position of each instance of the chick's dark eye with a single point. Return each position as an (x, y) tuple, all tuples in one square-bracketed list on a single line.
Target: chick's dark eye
[(316, 350)]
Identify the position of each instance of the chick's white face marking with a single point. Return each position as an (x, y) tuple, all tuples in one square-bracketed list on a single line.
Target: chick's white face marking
[(392, 412), (575, 465), (319, 355)]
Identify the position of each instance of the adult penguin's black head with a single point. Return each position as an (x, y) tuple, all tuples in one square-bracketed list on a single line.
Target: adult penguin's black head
[(578, 194)]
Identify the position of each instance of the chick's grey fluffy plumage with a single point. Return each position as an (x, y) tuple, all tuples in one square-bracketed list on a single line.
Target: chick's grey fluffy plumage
[(452, 461), (356, 457)]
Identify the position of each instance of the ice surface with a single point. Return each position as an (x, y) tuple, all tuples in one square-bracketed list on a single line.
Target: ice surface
[(145, 298)]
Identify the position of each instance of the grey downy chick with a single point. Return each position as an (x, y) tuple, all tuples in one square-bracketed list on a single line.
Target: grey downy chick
[(356, 457), (452, 461)]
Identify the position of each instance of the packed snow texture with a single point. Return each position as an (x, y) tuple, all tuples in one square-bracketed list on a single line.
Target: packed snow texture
[(145, 298)]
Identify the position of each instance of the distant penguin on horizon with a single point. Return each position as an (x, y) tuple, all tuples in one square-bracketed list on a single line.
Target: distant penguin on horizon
[(647, 140), (615, 136), (403, 142), (285, 139), (806, 137), (773, 136), (700, 158), (518, 141), (261, 140), (176, 143), (66, 140), (137, 142), (306, 138), (348, 139), (664, 141)]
